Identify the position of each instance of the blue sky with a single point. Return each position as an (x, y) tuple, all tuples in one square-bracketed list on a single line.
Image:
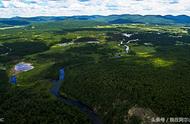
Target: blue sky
[(29, 8)]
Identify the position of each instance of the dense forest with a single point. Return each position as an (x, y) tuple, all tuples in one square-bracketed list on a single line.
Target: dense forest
[(153, 75)]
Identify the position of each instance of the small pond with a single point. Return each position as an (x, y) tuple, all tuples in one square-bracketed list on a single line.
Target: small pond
[(23, 67)]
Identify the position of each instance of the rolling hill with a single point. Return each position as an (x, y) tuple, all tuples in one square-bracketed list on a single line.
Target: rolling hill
[(111, 19)]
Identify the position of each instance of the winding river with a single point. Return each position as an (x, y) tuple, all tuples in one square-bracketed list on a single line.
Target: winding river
[(55, 90)]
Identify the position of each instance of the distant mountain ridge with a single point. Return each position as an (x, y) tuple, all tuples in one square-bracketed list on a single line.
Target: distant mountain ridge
[(111, 19)]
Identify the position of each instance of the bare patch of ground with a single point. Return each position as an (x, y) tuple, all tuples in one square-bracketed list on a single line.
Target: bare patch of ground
[(144, 114)]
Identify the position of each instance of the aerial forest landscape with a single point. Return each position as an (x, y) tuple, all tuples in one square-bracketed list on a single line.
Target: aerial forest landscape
[(93, 68)]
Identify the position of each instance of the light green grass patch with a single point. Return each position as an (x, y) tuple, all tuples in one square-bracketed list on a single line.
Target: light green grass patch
[(158, 62), (143, 51), (144, 54)]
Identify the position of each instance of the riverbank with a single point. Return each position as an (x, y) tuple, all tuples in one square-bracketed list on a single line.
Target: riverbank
[(55, 90)]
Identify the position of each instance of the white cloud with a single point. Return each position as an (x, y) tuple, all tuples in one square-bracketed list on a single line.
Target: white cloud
[(9, 8)]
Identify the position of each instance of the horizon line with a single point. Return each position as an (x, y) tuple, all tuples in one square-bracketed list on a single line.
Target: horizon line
[(95, 15)]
